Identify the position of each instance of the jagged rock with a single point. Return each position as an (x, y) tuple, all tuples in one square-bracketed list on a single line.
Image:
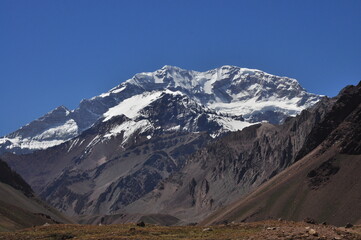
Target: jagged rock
[(348, 225), (141, 224), (309, 220)]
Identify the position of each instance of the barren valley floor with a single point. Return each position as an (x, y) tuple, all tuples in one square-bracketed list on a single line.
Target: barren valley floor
[(258, 230)]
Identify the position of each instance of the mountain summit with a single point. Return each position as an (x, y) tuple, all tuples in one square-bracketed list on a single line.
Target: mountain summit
[(229, 89), (231, 97)]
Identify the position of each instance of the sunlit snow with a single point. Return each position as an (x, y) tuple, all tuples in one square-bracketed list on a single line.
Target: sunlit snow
[(130, 107), (49, 138), (129, 128)]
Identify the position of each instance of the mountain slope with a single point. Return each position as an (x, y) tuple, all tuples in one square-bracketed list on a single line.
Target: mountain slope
[(118, 147), (228, 90), (120, 158), (19, 208), (324, 185), (237, 164), (14, 180)]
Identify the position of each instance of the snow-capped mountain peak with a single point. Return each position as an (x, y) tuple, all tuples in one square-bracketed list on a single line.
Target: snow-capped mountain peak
[(231, 89), (226, 91)]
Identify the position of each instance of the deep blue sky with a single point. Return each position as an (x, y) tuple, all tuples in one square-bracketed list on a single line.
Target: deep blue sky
[(56, 53)]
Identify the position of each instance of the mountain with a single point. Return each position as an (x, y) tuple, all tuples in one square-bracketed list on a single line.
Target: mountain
[(19, 208), (123, 156), (124, 143), (164, 146), (307, 167), (229, 91)]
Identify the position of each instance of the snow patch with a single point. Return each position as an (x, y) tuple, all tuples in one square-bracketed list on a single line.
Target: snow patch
[(73, 143), (129, 128), (93, 142), (246, 107), (118, 90), (48, 138), (130, 107), (113, 90), (103, 95), (32, 144), (67, 130), (175, 128), (232, 124)]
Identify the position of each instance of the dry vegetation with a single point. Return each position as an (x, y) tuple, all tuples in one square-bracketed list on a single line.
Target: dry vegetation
[(258, 230)]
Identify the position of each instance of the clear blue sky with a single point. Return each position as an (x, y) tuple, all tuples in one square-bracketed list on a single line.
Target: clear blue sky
[(56, 53)]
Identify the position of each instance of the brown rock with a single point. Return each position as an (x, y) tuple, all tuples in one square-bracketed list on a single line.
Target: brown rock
[(313, 232)]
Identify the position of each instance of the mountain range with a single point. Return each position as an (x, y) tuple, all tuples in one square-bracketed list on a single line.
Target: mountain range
[(227, 94), (124, 142), (305, 168), (179, 147)]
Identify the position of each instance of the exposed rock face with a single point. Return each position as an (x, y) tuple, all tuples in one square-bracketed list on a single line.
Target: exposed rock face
[(124, 176)]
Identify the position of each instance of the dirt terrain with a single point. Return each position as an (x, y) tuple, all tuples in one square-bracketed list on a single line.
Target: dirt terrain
[(270, 229)]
